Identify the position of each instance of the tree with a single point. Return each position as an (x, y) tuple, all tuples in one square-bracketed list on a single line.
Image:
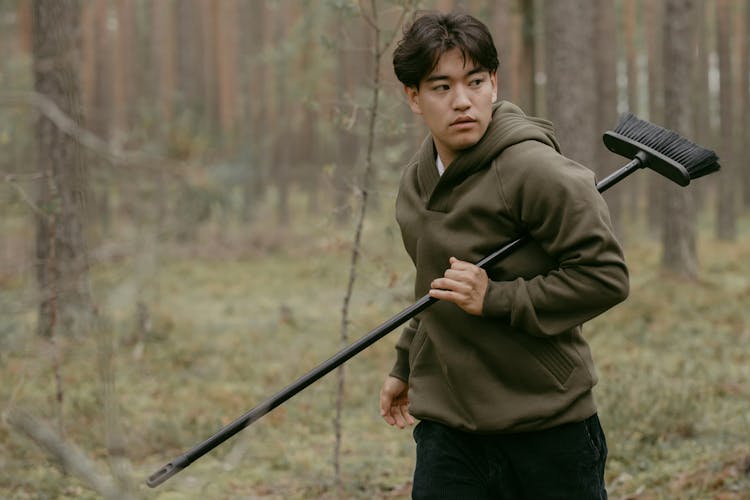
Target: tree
[(571, 79), (745, 96), (227, 61), (630, 36), (62, 260), (606, 91), (678, 236), (726, 228), (164, 57), (122, 81), (654, 41), (346, 115), (514, 25)]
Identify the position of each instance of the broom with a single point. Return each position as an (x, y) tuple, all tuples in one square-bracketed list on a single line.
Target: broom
[(645, 144)]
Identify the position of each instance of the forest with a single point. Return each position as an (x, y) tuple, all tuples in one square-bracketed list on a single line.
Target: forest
[(197, 208)]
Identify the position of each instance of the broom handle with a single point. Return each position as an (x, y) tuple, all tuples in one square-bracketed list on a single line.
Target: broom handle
[(179, 463)]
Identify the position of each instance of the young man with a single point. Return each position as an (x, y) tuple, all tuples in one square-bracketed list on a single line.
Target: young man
[(497, 370)]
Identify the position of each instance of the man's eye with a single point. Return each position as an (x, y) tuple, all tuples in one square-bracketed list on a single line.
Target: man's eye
[(477, 82), (440, 88)]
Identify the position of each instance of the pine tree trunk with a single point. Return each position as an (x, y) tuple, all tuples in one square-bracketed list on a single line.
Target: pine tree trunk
[(347, 143), (678, 236), (632, 189), (606, 83), (528, 57), (745, 110), (655, 40), (62, 261), (281, 164), (227, 61), (571, 79), (726, 228), (701, 96), (164, 57)]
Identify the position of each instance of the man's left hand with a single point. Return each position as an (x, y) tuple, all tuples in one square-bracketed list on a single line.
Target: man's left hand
[(464, 284)]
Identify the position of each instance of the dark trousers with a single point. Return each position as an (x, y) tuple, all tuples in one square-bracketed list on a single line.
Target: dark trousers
[(564, 462)]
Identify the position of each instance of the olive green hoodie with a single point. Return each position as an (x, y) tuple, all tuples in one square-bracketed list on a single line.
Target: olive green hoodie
[(523, 365)]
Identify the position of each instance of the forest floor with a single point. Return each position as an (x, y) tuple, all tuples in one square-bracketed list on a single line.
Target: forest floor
[(225, 322)]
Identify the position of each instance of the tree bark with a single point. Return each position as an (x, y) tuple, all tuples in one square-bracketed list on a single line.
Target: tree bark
[(606, 91), (655, 40), (726, 227), (227, 59), (62, 260), (744, 138), (123, 77), (678, 233), (346, 115), (630, 25), (571, 79), (164, 57)]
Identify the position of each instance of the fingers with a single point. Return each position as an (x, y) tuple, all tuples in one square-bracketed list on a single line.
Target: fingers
[(464, 284), (394, 404), (399, 416), (406, 417), (385, 409)]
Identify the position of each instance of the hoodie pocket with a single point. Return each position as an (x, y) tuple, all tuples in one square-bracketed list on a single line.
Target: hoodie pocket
[(553, 358)]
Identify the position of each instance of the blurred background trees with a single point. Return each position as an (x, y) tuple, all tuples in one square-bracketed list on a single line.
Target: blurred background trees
[(133, 132), (243, 103)]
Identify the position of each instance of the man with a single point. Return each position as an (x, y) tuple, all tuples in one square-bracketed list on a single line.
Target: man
[(497, 370)]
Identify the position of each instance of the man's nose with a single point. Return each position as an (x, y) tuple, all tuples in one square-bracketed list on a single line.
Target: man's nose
[(461, 99)]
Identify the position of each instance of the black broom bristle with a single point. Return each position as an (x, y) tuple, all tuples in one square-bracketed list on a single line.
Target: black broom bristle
[(696, 160)]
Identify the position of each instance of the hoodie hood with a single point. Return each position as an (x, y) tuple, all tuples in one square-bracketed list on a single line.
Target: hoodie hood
[(509, 126)]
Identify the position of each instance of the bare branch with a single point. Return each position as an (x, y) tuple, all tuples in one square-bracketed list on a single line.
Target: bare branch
[(367, 17), (10, 179), (72, 458), (50, 110)]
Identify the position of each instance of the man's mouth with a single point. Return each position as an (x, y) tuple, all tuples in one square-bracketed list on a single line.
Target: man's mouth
[(463, 120)]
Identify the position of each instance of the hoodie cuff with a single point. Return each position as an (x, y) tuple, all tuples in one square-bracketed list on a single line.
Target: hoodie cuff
[(401, 367), (497, 299)]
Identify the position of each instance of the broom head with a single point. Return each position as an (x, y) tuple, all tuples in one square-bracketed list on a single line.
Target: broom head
[(662, 150)]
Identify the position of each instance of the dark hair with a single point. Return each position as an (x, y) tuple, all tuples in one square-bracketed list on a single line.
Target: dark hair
[(431, 34)]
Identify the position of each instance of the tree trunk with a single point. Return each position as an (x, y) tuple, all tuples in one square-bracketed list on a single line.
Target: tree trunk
[(701, 96), (227, 62), (123, 77), (164, 57), (306, 152), (208, 51), (527, 58), (346, 115), (744, 139), (630, 24), (281, 165), (62, 261), (655, 40), (94, 75), (254, 41), (726, 228), (606, 90), (678, 232), (571, 79)]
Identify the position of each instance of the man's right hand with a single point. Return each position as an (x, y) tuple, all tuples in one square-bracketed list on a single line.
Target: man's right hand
[(394, 402)]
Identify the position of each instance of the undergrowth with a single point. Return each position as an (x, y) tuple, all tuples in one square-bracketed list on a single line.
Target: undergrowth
[(234, 317)]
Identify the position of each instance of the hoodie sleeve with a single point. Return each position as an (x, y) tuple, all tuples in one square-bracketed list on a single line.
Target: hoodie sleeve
[(556, 201), (401, 367)]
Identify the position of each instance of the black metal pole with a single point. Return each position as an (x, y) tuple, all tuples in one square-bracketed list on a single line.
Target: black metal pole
[(341, 357)]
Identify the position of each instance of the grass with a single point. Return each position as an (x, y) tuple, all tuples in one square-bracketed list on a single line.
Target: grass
[(236, 316)]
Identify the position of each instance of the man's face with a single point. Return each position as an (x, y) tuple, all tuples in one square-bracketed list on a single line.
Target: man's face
[(455, 102)]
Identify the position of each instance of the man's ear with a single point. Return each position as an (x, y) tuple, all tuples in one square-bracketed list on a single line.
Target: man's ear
[(493, 79), (412, 96)]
